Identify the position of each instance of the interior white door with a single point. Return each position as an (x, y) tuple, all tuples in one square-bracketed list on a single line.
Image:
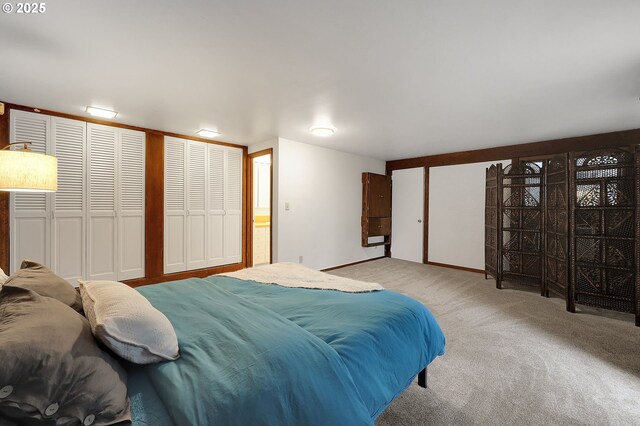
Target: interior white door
[(196, 205), (68, 242), (233, 206), (30, 211), (407, 214), (175, 208), (131, 228), (102, 181), (215, 216)]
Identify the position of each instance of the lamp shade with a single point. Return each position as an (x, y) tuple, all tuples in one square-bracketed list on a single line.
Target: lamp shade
[(28, 171)]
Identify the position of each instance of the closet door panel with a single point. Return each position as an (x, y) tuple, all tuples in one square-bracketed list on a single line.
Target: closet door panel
[(102, 257), (29, 240), (68, 142), (196, 204), (233, 244), (131, 193), (68, 247), (30, 212), (196, 248), (131, 254), (215, 216), (175, 253), (233, 206), (216, 240), (102, 223)]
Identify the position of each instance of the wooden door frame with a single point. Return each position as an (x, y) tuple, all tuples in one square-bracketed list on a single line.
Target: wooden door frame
[(249, 253)]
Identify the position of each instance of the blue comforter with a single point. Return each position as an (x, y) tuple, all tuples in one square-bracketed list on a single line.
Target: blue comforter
[(263, 354)]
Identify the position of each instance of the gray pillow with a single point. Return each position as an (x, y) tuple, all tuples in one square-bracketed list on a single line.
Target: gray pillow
[(52, 368), (37, 277)]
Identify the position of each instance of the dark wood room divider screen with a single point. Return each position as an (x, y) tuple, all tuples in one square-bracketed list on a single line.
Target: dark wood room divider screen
[(569, 225)]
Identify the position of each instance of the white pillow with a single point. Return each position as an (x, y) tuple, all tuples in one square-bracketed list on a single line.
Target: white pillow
[(3, 277), (127, 323)]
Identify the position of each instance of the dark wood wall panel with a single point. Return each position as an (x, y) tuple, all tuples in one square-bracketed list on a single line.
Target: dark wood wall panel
[(4, 199), (534, 149), (154, 206)]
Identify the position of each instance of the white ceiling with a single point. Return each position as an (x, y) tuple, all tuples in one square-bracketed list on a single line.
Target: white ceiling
[(397, 78)]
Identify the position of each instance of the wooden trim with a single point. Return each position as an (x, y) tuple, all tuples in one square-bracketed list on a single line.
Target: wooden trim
[(556, 146), (245, 216), (9, 106), (249, 223), (425, 219), (271, 208), (461, 268), (388, 242), (352, 263), (4, 199), (196, 273), (249, 199), (154, 206)]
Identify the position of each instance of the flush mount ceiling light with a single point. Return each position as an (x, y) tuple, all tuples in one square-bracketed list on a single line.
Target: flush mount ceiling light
[(322, 131), (101, 112), (205, 133)]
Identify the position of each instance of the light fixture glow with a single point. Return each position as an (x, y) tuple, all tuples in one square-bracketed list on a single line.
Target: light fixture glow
[(101, 112), (322, 131), (205, 133), (27, 171)]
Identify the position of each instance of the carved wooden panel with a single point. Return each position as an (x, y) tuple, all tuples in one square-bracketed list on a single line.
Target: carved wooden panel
[(522, 224), (491, 221), (603, 184), (556, 279)]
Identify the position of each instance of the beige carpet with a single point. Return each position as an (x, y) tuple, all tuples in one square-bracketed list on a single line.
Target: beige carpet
[(513, 357)]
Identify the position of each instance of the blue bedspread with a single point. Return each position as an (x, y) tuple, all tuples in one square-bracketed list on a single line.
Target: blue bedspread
[(263, 354)]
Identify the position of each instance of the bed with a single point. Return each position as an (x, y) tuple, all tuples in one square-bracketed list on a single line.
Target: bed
[(252, 353)]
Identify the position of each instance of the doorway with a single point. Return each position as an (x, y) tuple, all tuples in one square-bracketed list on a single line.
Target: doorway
[(407, 211), (260, 207)]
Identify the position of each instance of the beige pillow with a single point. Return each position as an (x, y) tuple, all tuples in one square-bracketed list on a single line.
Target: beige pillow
[(3, 277), (127, 323)]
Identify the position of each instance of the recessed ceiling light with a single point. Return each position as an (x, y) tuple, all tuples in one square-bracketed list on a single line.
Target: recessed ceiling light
[(323, 131), (205, 133), (101, 112)]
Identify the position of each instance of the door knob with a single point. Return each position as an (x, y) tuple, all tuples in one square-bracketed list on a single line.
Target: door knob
[(419, 220)]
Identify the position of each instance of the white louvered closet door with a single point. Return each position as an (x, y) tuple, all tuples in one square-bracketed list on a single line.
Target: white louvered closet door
[(215, 216), (131, 217), (233, 206), (30, 222), (68, 242), (102, 187), (196, 205), (175, 208)]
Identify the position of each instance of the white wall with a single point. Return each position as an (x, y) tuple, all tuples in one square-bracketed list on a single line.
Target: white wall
[(324, 190), (456, 214)]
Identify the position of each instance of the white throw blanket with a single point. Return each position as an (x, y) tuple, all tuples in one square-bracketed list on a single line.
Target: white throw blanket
[(298, 276)]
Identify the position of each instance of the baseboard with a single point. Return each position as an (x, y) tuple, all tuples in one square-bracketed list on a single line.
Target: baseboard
[(352, 263), (194, 273), (461, 268)]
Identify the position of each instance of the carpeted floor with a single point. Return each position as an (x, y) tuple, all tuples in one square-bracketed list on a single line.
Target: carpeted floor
[(513, 357)]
